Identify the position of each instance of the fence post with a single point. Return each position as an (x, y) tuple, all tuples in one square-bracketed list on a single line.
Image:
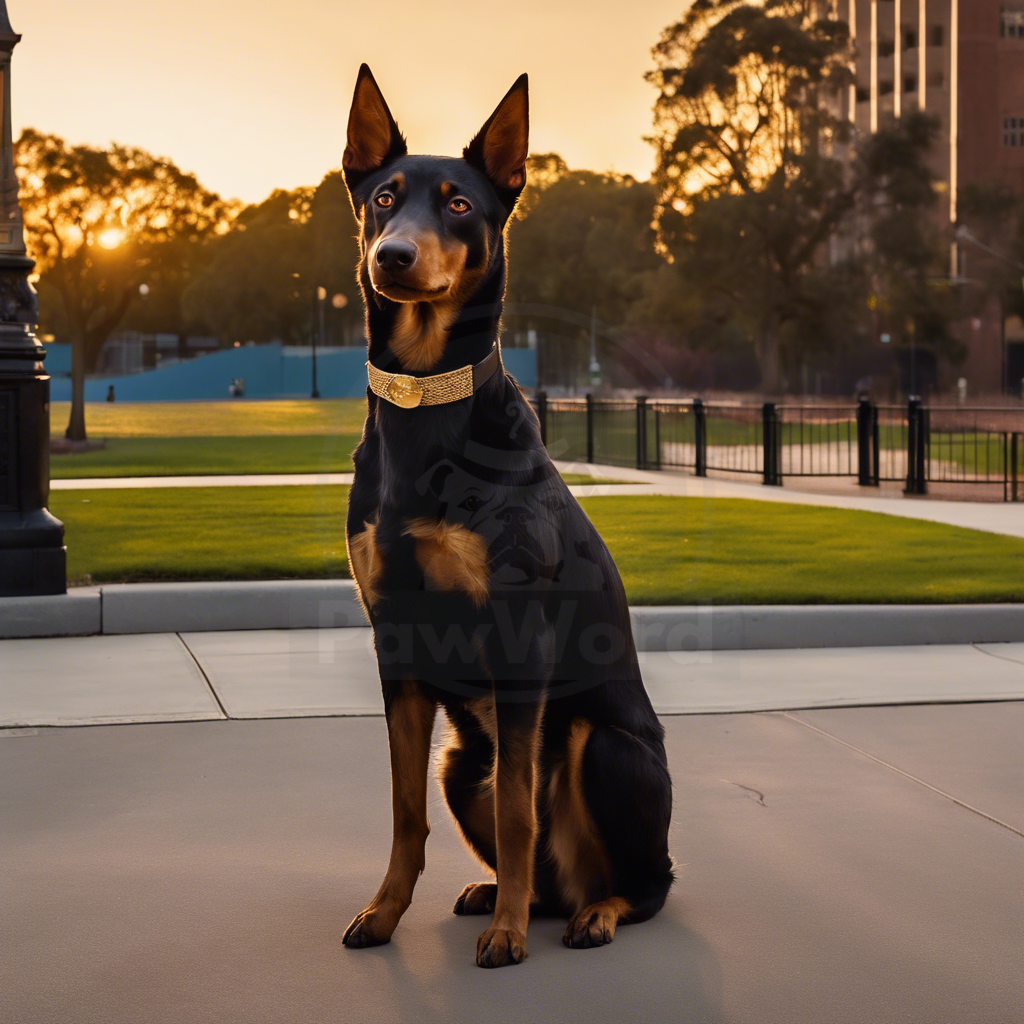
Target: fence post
[(641, 431), (770, 439), (700, 432), (1014, 456), (542, 415), (656, 464), (912, 429), (876, 458), (1006, 465), (867, 420), (916, 447), (590, 426)]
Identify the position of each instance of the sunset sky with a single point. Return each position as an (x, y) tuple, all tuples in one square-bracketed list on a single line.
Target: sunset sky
[(254, 94)]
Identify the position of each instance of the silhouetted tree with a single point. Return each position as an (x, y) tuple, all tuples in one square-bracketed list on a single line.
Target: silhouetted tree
[(752, 181), (260, 278), (586, 245), (101, 222), (905, 250), (993, 216)]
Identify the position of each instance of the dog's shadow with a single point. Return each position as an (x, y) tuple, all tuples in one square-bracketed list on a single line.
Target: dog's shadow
[(654, 971)]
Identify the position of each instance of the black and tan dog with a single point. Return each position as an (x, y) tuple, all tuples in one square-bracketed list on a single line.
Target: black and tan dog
[(489, 591)]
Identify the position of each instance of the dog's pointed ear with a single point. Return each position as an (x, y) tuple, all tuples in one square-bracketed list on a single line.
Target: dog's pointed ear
[(500, 148), (373, 137)]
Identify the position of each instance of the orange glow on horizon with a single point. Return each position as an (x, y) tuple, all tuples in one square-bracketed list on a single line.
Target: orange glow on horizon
[(257, 103)]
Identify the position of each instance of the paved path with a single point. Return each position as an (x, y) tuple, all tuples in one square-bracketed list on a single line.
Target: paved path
[(992, 517), (850, 866), (265, 480), (167, 677), (835, 864), (989, 516)]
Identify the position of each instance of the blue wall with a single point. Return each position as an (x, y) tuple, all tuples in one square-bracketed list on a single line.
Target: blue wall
[(268, 373), (58, 360)]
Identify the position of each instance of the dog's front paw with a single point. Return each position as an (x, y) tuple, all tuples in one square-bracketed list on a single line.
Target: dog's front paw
[(373, 927), (499, 947), (477, 898)]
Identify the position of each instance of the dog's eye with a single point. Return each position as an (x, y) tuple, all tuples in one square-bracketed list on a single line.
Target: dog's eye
[(459, 205), (385, 199)]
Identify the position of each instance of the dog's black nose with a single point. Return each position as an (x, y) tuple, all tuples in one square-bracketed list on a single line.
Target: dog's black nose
[(395, 254)]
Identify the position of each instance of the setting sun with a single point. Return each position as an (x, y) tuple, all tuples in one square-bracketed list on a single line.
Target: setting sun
[(111, 238)]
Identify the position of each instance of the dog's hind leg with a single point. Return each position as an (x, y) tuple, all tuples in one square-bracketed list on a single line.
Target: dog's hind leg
[(410, 717), (466, 777), (625, 787)]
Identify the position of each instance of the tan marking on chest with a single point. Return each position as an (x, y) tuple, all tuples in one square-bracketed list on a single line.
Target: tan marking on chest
[(366, 564), (421, 333), (452, 557)]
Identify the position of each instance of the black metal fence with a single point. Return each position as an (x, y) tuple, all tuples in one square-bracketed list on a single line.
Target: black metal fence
[(913, 444)]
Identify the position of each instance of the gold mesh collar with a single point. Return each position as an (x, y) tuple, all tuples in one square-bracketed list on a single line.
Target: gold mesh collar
[(408, 392)]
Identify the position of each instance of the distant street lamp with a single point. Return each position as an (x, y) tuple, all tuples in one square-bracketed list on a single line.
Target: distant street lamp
[(321, 298), (32, 554)]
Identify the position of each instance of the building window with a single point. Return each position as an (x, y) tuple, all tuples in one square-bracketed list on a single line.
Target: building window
[(885, 87), (1011, 22), (909, 38), (886, 47), (863, 95), (910, 84), (937, 35), (1013, 131)]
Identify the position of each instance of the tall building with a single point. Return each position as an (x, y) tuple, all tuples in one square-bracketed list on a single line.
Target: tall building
[(963, 62)]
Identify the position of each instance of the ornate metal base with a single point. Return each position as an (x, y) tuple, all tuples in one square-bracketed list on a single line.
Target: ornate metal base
[(32, 556), (32, 572)]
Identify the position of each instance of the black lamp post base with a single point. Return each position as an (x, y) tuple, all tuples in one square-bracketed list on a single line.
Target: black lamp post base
[(33, 572), (32, 556)]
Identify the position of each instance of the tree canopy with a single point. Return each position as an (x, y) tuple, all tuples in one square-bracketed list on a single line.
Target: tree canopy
[(100, 223), (792, 228), (260, 279)]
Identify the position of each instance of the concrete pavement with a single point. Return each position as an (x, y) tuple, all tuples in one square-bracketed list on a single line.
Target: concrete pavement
[(307, 672), (199, 860), (991, 516), (840, 859), (185, 607), (117, 483), (846, 866)]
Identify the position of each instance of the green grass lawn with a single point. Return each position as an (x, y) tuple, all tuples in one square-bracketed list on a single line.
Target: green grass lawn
[(239, 418), (202, 456), (669, 550), (288, 436), (207, 456)]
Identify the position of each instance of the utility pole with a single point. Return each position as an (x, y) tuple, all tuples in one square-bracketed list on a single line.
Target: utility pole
[(32, 553)]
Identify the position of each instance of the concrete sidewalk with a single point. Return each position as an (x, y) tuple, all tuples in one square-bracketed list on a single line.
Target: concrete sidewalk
[(855, 866), (990, 516), (304, 672), (993, 517)]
